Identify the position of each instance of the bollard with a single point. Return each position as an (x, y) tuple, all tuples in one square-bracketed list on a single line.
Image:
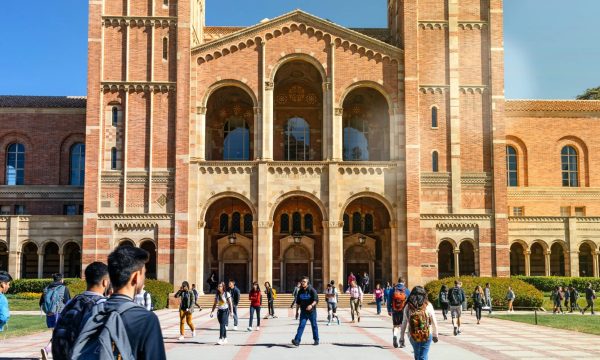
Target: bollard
[(535, 314)]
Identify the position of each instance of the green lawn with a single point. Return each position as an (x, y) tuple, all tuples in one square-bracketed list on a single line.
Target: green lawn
[(19, 325), (585, 324), (548, 304), (17, 304)]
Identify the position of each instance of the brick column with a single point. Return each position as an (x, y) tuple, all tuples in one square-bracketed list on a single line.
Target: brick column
[(201, 131), (454, 72)]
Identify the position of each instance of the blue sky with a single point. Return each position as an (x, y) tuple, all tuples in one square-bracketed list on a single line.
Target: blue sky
[(552, 49)]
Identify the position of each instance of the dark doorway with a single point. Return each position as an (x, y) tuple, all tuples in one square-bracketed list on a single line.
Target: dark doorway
[(237, 272), (293, 273)]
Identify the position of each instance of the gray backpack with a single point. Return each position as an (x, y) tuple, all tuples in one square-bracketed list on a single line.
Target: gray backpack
[(103, 336)]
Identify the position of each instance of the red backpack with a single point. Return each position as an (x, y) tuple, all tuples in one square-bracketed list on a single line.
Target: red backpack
[(398, 300)]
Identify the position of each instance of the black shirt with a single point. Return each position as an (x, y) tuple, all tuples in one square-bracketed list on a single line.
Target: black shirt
[(143, 330), (306, 297), (589, 294), (235, 296)]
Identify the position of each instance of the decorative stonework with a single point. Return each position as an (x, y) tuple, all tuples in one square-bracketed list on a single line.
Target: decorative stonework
[(269, 85), (41, 192), (265, 224), (135, 217), (139, 21), (339, 111), (433, 25), (434, 89), (226, 168), (435, 179), (456, 226), (472, 25), (476, 179), (472, 89), (551, 193), (456, 217), (135, 225), (137, 86), (364, 168)]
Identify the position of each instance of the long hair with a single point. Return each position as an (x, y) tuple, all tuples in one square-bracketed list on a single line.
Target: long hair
[(417, 298), (224, 289), (444, 288), (478, 290), (257, 286)]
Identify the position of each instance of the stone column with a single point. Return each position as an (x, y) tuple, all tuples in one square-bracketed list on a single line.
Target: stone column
[(201, 131), (254, 250), (336, 135), (573, 250), (456, 263), (14, 253), (595, 263), (267, 108), (547, 263), (61, 262), (200, 258), (40, 264), (527, 254), (265, 252), (336, 252), (395, 250)]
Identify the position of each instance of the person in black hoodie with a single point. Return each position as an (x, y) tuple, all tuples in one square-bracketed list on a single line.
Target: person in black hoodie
[(307, 299), (235, 300), (478, 301)]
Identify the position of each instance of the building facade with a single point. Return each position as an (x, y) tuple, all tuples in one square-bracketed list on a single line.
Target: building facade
[(300, 147)]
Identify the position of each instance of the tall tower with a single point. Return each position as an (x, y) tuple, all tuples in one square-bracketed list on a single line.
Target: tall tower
[(137, 125), (198, 22), (453, 106)]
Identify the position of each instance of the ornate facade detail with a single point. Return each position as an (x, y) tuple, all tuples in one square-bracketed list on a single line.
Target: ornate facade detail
[(476, 179), (472, 89), (456, 226), (472, 25), (135, 217), (533, 193), (457, 217), (265, 224), (433, 25), (137, 86), (269, 85), (333, 224), (229, 168), (434, 89), (339, 111), (139, 21), (41, 192), (201, 110), (435, 179), (135, 225), (296, 170)]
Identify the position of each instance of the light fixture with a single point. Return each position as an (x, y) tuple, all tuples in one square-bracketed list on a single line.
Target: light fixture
[(362, 239), (232, 239), (297, 237)]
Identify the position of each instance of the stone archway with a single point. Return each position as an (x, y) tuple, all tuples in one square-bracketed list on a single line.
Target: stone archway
[(235, 264), (446, 266), (29, 261), (586, 260), (72, 260), (466, 259), (151, 265), (358, 258), (51, 263), (3, 256), (557, 260), (537, 260), (296, 262), (517, 259)]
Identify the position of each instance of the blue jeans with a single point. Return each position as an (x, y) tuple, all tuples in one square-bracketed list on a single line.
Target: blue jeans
[(51, 320), (378, 301), (222, 316), (252, 310), (421, 349), (304, 317)]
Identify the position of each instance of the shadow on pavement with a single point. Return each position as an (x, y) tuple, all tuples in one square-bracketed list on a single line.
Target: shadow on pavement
[(268, 345), (360, 345)]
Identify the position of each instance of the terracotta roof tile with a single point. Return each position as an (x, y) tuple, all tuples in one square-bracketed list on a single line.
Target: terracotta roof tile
[(552, 105), (25, 101)]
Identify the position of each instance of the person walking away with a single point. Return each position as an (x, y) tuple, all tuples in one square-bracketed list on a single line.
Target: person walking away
[(307, 300), (487, 292), (510, 297), (186, 309), (255, 297), (331, 296), (271, 295), (144, 299), (294, 294), (378, 297), (365, 283), (478, 301), (5, 280), (566, 296), (456, 296), (573, 298), (79, 310), (443, 300), (235, 300), (398, 299), (212, 282), (388, 297), (52, 302), (590, 296), (224, 306), (419, 318), (556, 297), (356, 298), (134, 331), (351, 278), (196, 297)]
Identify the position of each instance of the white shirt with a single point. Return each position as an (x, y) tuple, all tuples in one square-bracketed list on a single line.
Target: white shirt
[(223, 300), (430, 314), (334, 292), (146, 303)]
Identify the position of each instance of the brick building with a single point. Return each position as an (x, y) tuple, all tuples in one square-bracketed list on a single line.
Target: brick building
[(298, 146)]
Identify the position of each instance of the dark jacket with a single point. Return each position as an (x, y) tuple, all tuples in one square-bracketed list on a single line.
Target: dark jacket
[(66, 296), (477, 299), (235, 296), (306, 297)]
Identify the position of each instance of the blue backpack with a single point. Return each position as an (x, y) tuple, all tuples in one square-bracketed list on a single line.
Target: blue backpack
[(53, 299)]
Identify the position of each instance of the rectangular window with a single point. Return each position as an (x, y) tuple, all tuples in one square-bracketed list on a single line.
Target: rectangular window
[(518, 211), (20, 210), (70, 209), (565, 211), (5, 210), (580, 211)]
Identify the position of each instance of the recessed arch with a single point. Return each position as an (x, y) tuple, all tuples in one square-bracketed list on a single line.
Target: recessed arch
[(3, 255), (522, 162), (376, 196), (150, 246), (301, 194), (226, 83), (367, 84), (446, 259), (224, 195), (29, 260), (297, 57)]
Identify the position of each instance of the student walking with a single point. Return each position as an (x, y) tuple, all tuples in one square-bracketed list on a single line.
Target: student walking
[(52, 302), (419, 318), (5, 280), (566, 296), (573, 298), (443, 300), (271, 295), (590, 296), (307, 300), (351, 278), (398, 300), (487, 292), (186, 309), (79, 310), (510, 297), (378, 296), (456, 296), (478, 301), (331, 295), (196, 296), (223, 305), (212, 282), (557, 296), (365, 283), (294, 294), (356, 298), (144, 299), (255, 297), (389, 289), (235, 300)]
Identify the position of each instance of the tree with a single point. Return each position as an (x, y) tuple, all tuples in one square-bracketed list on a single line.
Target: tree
[(590, 94)]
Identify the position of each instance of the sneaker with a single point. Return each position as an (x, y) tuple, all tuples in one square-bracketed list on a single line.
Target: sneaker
[(194, 333), (402, 343), (458, 331), (359, 319), (224, 341), (180, 337), (235, 328), (395, 341), (316, 342), (220, 342), (329, 323), (455, 331), (295, 343), (249, 328), (44, 354), (338, 320), (274, 317), (296, 316), (353, 321), (257, 328), (266, 317)]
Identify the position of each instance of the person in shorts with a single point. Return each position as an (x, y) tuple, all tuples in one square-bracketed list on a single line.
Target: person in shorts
[(456, 296), (331, 294)]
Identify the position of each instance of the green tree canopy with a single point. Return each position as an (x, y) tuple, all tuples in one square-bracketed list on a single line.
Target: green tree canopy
[(590, 94)]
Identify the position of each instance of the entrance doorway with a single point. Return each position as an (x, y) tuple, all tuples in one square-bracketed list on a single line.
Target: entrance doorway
[(294, 271), (237, 272)]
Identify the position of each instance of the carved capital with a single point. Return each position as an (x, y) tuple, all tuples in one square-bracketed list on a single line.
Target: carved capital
[(269, 85), (339, 111), (201, 224), (201, 110), (265, 224), (327, 85), (257, 111), (333, 224)]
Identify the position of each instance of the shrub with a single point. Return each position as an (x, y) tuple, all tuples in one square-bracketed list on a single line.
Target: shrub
[(159, 291), (548, 283), (527, 296), (38, 285), (28, 296)]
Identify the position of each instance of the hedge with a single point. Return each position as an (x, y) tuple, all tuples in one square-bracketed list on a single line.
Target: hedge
[(548, 283), (159, 291), (527, 296)]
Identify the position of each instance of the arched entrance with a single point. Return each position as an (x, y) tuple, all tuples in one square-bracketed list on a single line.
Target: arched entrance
[(466, 259), (150, 247), (296, 263), (298, 112), (29, 261), (72, 262), (586, 262), (557, 260), (358, 258), (517, 259), (538, 260), (51, 260), (126, 242), (236, 265), (3, 256), (446, 260)]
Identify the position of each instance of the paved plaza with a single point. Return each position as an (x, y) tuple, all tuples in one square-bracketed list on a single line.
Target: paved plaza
[(369, 339)]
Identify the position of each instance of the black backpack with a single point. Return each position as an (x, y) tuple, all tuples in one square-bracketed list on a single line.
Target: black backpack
[(455, 298), (70, 322)]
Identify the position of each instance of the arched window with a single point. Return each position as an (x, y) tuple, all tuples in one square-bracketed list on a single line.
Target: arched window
[(165, 49), (115, 116), (369, 223), (284, 223), (15, 164), (434, 117), (77, 161), (356, 223), (434, 162), (236, 222), (512, 175), (570, 173), (297, 140), (113, 158), (236, 140), (165, 2), (308, 223), (356, 143), (346, 223), (248, 224), (296, 222), (224, 224)]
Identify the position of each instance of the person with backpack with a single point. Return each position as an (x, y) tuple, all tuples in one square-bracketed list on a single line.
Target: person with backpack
[(144, 299), (443, 301), (5, 280), (196, 297), (478, 301), (224, 306), (419, 318), (456, 296), (255, 297), (351, 278), (590, 296), (566, 296), (356, 298), (510, 297), (235, 300), (271, 295), (294, 295), (186, 309), (52, 302), (331, 297), (398, 299), (574, 296), (378, 297), (133, 331), (78, 310), (556, 296), (487, 292), (307, 300)]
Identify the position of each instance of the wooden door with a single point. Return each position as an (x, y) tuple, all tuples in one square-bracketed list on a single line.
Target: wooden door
[(237, 272)]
